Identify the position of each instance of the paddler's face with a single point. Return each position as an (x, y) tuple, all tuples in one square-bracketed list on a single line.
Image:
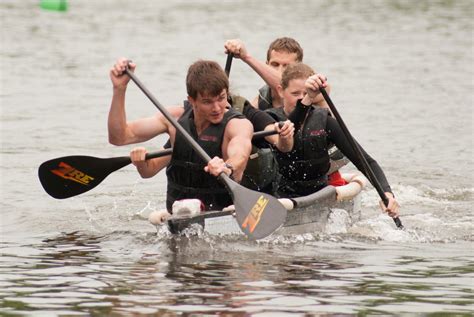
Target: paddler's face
[(292, 93), (280, 60), (210, 108)]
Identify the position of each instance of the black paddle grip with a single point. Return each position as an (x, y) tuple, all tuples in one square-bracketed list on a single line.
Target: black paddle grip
[(228, 63)]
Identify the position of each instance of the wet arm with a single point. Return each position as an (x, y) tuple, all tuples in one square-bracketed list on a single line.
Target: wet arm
[(152, 167), (239, 134), (284, 140), (263, 121), (117, 120), (271, 76), (122, 132), (268, 74)]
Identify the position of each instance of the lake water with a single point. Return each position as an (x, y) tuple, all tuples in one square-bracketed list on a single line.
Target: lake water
[(402, 78)]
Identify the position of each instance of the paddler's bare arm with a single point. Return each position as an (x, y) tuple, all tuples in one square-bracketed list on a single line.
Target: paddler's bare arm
[(122, 132), (148, 168), (238, 136), (271, 76), (236, 149), (284, 140)]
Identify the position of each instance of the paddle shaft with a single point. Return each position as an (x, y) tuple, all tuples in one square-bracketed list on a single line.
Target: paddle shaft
[(169, 151), (228, 63), (156, 154), (121, 161), (368, 170)]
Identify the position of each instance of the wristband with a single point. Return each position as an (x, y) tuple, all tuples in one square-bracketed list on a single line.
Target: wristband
[(231, 167)]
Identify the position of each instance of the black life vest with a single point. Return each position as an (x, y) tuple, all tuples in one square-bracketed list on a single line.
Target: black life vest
[(265, 100), (185, 172), (304, 168), (261, 173)]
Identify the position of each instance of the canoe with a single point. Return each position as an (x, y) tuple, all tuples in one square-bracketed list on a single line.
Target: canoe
[(305, 214)]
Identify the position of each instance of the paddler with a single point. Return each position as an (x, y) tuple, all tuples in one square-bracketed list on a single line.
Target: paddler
[(282, 52), (261, 173), (223, 133), (304, 168)]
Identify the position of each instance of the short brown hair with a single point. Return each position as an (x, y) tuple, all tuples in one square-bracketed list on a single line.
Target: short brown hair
[(206, 78), (287, 45), (295, 71)]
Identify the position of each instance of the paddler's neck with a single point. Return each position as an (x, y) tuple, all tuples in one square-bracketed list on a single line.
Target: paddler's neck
[(277, 101), (201, 124)]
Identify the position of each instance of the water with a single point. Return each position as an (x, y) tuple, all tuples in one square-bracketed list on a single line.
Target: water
[(402, 76)]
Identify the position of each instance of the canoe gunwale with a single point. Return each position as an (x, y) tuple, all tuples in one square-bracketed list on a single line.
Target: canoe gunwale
[(310, 212)]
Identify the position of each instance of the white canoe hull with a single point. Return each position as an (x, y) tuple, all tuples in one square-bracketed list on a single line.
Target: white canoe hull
[(311, 214)]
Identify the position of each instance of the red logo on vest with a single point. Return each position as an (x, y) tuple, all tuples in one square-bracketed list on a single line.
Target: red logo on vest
[(317, 132), (208, 138)]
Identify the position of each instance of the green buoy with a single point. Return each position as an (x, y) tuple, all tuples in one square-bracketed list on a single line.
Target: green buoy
[(54, 5)]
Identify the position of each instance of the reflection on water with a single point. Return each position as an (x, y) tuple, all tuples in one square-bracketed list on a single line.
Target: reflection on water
[(72, 273)]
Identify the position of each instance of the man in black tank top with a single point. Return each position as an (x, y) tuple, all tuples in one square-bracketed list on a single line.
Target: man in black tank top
[(224, 134), (259, 119)]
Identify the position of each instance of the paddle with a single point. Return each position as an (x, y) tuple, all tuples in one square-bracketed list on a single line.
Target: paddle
[(368, 170), (69, 176), (228, 63), (258, 214)]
